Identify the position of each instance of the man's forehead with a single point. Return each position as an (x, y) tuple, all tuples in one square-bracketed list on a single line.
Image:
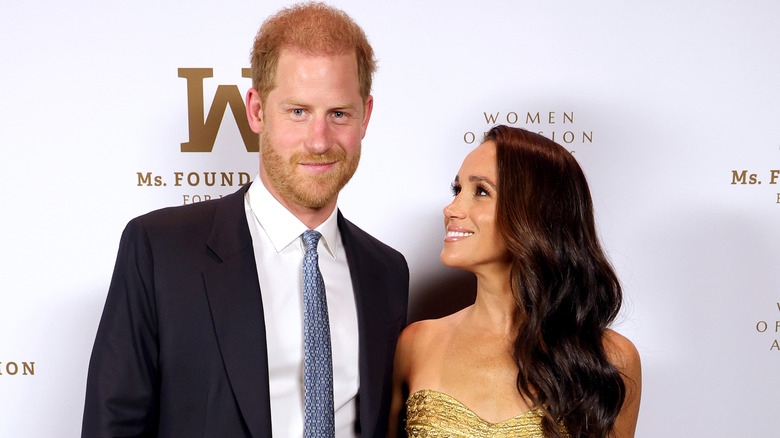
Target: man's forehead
[(297, 72)]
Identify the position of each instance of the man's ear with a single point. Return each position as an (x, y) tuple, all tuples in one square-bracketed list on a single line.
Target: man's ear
[(367, 114), (254, 111)]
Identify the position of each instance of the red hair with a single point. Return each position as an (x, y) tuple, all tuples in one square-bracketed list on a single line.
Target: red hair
[(312, 28)]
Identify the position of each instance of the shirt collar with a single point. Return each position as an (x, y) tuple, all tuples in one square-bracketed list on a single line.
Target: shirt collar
[(282, 227)]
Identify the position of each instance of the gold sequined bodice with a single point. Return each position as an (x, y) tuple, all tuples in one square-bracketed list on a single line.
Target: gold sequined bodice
[(433, 414)]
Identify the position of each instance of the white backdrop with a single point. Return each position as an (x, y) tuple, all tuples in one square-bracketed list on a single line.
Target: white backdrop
[(661, 102)]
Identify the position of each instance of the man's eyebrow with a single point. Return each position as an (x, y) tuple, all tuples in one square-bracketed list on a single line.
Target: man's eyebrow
[(300, 102)]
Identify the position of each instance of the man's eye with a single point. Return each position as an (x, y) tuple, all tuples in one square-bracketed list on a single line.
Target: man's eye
[(297, 112), (338, 114)]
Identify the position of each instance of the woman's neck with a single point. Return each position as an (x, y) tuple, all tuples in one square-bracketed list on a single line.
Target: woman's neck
[(495, 305)]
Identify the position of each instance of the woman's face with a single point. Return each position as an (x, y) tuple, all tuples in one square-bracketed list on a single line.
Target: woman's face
[(473, 241)]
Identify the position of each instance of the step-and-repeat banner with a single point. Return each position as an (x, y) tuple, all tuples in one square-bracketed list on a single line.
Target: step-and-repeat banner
[(112, 109)]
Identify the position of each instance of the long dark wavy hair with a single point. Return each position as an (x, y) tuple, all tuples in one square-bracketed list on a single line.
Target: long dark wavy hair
[(565, 288)]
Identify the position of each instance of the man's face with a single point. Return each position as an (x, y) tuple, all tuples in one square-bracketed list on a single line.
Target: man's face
[(311, 123)]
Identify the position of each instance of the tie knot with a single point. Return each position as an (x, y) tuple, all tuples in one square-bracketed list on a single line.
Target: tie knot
[(310, 238)]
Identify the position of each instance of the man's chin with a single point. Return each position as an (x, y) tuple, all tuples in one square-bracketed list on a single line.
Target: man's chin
[(314, 199)]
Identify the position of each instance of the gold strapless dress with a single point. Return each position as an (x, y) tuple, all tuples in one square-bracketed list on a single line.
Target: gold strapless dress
[(434, 414)]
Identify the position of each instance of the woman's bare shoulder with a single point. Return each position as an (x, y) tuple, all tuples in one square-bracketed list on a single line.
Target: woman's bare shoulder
[(421, 334), (622, 353)]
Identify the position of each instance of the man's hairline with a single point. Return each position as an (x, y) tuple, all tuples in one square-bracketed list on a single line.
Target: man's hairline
[(299, 50)]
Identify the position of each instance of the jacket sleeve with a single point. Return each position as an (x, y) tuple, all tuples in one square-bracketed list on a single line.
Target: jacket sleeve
[(123, 382)]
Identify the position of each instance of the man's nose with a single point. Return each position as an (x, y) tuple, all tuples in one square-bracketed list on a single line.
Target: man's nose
[(319, 140)]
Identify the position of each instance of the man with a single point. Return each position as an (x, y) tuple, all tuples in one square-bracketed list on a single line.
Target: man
[(203, 329)]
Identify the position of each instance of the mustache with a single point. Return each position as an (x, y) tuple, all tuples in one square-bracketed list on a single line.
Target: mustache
[(328, 157)]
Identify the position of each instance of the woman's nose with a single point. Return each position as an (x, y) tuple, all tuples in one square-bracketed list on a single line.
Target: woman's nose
[(452, 210)]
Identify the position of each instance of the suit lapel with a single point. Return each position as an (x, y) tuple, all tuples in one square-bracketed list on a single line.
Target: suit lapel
[(233, 293), (363, 268)]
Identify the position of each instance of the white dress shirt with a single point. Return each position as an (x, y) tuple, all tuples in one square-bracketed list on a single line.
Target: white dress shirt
[(279, 248)]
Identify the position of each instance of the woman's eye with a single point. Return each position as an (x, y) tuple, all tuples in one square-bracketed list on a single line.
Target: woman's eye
[(481, 191), (455, 189)]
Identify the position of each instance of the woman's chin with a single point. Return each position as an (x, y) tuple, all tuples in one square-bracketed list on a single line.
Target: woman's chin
[(453, 261)]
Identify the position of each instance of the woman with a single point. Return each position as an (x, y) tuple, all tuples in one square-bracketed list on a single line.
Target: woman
[(532, 357)]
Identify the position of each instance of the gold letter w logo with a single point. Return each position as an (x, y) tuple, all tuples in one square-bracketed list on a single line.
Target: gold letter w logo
[(203, 131)]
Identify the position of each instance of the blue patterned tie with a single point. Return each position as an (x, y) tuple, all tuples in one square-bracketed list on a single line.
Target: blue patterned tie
[(317, 359)]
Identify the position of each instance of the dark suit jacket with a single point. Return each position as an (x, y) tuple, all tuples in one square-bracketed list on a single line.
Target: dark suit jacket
[(181, 351)]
